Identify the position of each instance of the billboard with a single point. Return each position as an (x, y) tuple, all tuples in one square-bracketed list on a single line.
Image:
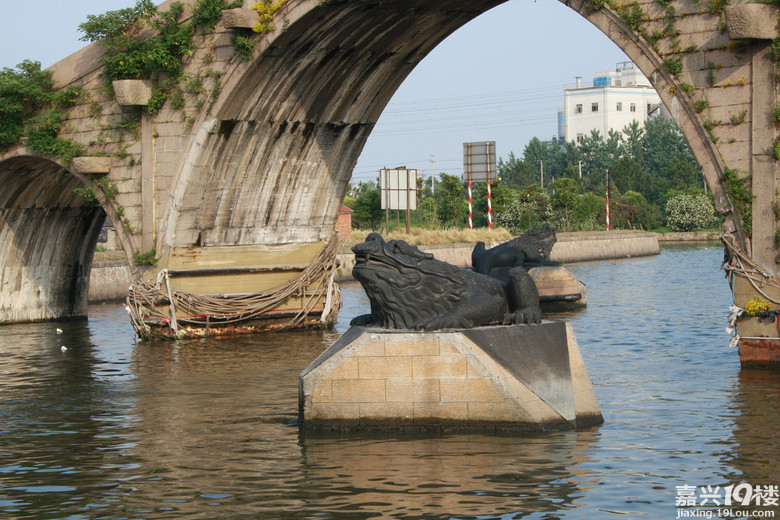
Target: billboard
[(398, 187), (479, 161)]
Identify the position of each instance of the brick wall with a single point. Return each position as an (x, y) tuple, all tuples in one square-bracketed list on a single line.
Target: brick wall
[(344, 223)]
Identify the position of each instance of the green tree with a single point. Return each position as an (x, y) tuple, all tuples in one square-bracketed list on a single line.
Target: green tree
[(426, 214), (509, 214), (631, 210), (452, 203), (590, 212), (686, 212), (500, 197), (562, 202), (631, 145), (627, 174), (515, 172), (349, 201), (667, 159), (367, 212), (355, 190)]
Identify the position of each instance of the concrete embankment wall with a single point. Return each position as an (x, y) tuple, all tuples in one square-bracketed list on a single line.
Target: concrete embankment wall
[(584, 247), (571, 247), (109, 281)]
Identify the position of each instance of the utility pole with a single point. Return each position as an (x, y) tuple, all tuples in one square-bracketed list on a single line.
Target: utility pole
[(541, 171), (433, 174), (579, 165)]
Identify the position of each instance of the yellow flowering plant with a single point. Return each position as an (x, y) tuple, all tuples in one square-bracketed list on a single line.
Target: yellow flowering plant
[(266, 9), (756, 305)]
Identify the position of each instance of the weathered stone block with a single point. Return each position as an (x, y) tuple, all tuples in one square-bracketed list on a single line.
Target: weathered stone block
[(493, 411), (132, 92), (752, 21), (91, 165), (358, 391), (438, 367), (729, 95), (445, 412), (240, 18), (323, 392), (163, 183), (129, 199), (384, 411), (470, 390), (162, 157), (375, 348), (346, 370), (170, 143), (335, 410), (413, 348), (420, 391), (385, 367)]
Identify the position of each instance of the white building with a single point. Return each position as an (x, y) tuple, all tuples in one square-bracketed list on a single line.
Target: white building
[(615, 100)]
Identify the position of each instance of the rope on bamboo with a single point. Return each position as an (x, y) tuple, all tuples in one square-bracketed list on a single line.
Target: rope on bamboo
[(145, 300), (739, 263)]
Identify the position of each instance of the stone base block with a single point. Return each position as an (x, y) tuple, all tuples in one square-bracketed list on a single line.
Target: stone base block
[(516, 377)]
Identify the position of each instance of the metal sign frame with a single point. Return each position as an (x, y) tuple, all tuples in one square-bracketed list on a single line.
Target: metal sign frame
[(479, 161), (398, 188)]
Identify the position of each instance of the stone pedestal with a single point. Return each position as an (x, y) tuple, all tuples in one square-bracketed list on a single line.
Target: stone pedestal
[(516, 377)]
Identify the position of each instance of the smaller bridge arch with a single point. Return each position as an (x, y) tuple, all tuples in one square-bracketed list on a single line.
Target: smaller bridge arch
[(49, 233)]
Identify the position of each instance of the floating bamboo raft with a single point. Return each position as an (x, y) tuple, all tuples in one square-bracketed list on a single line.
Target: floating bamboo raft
[(204, 291)]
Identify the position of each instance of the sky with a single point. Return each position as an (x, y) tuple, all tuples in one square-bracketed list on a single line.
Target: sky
[(499, 78)]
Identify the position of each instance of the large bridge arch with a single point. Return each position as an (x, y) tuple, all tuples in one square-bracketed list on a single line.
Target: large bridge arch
[(294, 120)]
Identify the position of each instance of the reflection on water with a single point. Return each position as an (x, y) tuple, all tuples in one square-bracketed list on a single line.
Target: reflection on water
[(757, 426), (203, 429), (445, 475)]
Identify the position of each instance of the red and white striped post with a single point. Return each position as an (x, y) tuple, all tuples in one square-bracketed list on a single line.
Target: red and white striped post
[(608, 190), (490, 205), (471, 223)]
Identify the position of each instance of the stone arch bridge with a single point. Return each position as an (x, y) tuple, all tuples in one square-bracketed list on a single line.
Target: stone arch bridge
[(261, 152)]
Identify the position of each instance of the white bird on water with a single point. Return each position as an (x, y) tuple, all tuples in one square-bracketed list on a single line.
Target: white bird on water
[(64, 348), (59, 331)]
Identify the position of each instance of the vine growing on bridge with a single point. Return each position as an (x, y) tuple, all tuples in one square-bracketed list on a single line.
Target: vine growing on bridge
[(161, 56), (30, 111)]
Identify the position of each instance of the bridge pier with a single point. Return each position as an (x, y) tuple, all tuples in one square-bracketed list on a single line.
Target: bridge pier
[(763, 167)]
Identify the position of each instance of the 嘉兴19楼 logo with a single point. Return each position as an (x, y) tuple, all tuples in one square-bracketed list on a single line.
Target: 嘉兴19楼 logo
[(733, 501)]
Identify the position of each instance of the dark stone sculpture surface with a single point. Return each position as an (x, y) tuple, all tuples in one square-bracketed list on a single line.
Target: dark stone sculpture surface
[(410, 289), (531, 249)]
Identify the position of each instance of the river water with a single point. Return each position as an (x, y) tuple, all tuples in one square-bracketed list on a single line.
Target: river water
[(111, 428)]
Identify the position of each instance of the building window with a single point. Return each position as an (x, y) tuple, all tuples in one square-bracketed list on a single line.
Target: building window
[(619, 107), (578, 109), (579, 138), (633, 107), (649, 108), (594, 107)]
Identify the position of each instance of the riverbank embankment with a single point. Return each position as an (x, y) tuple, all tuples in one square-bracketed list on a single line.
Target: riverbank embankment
[(570, 248), (110, 276)]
